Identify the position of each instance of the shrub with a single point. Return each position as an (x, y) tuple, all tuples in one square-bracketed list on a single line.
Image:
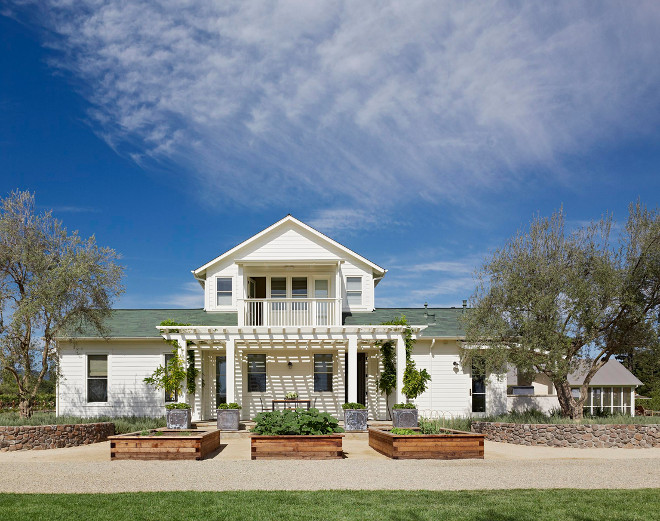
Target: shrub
[(177, 405), (295, 422), (404, 406), (123, 424), (353, 405), (232, 405)]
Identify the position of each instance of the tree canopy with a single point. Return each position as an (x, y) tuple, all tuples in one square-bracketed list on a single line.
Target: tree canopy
[(554, 301), (52, 284)]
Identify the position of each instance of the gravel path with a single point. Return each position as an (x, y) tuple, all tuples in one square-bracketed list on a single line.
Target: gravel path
[(88, 469)]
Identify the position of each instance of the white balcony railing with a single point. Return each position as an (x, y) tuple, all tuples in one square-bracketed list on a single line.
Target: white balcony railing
[(289, 312)]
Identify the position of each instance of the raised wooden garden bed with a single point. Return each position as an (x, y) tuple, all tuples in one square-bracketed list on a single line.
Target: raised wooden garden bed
[(327, 446), (170, 445), (452, 445)]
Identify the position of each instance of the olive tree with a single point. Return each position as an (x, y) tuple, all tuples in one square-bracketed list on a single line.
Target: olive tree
[(555, 302), (52, 284)]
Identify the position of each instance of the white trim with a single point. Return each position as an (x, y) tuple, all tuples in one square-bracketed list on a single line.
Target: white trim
[(107, 378), (293, 220)]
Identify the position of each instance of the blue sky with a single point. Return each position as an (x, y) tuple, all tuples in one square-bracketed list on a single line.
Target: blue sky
[(420, 134)]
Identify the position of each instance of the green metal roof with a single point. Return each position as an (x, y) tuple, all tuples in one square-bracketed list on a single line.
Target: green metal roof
[(441, 322), (141, 323)]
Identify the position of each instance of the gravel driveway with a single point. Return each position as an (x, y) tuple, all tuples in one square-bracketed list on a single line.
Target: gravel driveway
[(89, 469)]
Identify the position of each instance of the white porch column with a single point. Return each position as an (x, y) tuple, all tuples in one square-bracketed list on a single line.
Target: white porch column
[(400, 367), (199, 391), (183, 344), (352, 369), (231, 355)]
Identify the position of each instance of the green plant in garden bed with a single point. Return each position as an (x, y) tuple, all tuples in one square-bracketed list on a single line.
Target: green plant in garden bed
[(232, 405), (353, 406), (404, 432), (296, 422)]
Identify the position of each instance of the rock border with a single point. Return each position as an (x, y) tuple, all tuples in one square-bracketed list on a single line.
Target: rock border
[(572, 435), (41, 437)]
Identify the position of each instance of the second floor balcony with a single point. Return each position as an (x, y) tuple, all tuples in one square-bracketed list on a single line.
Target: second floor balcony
[(283, 312)]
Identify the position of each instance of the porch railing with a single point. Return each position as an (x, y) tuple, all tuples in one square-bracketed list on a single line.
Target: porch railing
[(290, 312)]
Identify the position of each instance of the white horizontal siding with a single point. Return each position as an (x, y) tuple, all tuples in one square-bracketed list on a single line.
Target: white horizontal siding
[(128, 364), (289, 243)]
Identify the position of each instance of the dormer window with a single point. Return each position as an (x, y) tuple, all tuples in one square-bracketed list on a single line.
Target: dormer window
[(354, 291), (223, 288)]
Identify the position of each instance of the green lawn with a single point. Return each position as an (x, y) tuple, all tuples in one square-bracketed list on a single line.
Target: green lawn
[(491, 505)]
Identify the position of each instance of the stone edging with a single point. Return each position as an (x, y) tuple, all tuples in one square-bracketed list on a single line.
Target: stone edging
[(571, 435), (40, 437)]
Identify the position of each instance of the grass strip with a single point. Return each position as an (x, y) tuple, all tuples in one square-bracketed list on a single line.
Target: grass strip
[(379, 505)]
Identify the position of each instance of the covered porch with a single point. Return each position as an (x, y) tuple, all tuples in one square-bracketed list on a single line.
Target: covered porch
[(253, 366)]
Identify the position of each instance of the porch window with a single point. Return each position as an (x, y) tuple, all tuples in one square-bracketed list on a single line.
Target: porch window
[(169, 396), (322, 373), (354, 291), (97, 378), (223, 289), (256, 373)]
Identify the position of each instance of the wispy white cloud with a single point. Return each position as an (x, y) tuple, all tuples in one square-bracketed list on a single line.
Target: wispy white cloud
[(367, 101), (190, 295), (333, 220)]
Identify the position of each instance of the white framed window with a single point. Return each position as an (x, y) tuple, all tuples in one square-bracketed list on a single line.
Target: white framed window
[(354, 291), (256, 373), (323, 370), (223, 291), (97, 378)]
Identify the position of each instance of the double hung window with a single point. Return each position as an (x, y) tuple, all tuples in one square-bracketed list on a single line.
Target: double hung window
[(223, 291), (354, 291), (97, 378), (322, 373), (256, 373)]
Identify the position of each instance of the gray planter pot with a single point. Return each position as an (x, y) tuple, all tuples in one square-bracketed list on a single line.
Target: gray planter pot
[(355, 420), (405, 418), (229, 419), (179, 418)]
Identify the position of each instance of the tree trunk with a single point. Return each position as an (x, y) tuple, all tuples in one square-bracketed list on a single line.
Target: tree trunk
[(25, 407), (570, 407)]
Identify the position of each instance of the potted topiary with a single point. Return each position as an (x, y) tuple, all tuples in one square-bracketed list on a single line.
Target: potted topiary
[(229, 416), (355, 417), (170, 378), (178, 416), (405, 416)]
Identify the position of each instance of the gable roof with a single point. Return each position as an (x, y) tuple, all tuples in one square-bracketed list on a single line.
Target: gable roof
[(290, 219), (612, 373)]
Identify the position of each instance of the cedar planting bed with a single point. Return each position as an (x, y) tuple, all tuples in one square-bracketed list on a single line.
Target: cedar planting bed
[(327, 446), (171, 445), (452, 445)]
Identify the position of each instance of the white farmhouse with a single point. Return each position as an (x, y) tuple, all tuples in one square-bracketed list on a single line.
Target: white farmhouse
[(287, 310)]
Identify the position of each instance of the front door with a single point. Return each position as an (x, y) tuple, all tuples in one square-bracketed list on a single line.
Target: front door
[(361, 378), (220, 380)]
